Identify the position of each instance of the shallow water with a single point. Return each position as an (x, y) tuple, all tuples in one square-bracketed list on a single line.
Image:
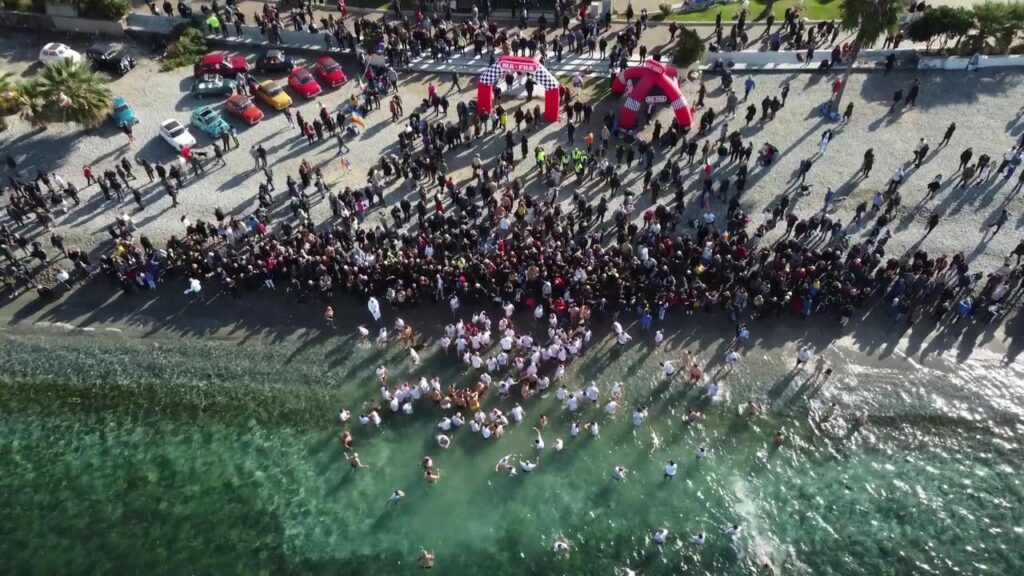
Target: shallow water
[(127, 455)]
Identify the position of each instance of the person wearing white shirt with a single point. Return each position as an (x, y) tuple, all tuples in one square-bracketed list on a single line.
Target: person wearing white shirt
[(661, 536), (611, 407), (592, 392), (670, 469)]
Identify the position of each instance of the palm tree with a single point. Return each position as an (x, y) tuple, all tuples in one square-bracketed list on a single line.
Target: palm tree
[(8, 97), (872, 19), (70, 92)]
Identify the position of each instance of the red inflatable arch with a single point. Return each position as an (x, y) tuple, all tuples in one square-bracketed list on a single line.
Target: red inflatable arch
[(494, 73), (652, 74)]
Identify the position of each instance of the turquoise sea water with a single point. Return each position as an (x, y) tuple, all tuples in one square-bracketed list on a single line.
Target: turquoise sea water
[(124, 455)]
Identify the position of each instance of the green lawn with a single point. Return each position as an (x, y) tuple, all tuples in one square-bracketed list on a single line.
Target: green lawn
[(813, 10)]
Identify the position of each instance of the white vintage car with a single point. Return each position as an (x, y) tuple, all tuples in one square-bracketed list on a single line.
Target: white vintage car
[(55, 52), (176, 135)]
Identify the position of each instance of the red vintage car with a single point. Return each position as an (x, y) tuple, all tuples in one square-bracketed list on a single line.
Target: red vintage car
[(303, 82), (242, 107), (221, 64), (329, 72)]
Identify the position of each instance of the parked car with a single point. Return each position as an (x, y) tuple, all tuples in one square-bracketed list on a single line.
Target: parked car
[(109, 57), (243, 108), (209, 121), (212, 85), (122, 113), (329, 72), (274, 61), (220, 63), (55, 52), (303, 82), (176, 135), (271, 94)]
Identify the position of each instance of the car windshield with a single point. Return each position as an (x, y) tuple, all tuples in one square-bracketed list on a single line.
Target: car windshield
[(122, 109), (244, 105), (272, 89), (175, 130), (303, 77), (206, 115)]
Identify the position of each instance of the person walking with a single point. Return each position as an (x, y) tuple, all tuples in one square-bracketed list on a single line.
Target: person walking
[(915, 89), (1004, 215), (965, 158), (455, 82), (920, 152), (869, 162), (949, 134), (748, 87), (933, 221)]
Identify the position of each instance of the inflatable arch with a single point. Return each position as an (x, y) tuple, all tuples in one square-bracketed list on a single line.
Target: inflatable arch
[(643, 79), (494, 73)]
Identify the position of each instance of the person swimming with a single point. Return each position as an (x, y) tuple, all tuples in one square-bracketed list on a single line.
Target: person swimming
[(699, 539), (660, 536), (655, 442), (395, 497), (559, 445), (702, 453), (346, 439), (528, 466), (538, 442), (426, 560), (734, 531), (427, 463), (443, 441)]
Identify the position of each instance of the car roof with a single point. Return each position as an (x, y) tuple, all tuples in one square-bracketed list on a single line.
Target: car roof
[(170, 122), (53, 46), (213, 58), (326, 60), (102, 47), (275, 53)]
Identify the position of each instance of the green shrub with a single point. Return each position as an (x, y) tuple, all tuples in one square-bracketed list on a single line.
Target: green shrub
[(665, 9), (185, 50), (689, 48), (942, 22), (100, 9), (22, 5)]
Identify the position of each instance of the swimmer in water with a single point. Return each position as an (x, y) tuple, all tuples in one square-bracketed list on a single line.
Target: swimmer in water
[(346, 439), (699, 539), (661, 536), (655, 442), (538, 442), (778, 439), (528, 466), (594, 429), (426, 560), (559, 445), (670, 469), (542, 422), (702, 453), (443, 441), (427, 463), (752, 409), (344, 415), (504, 465), (395, 497), (431, 476), (734, 531), (355, 462), (620, 472), (560, 546)]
